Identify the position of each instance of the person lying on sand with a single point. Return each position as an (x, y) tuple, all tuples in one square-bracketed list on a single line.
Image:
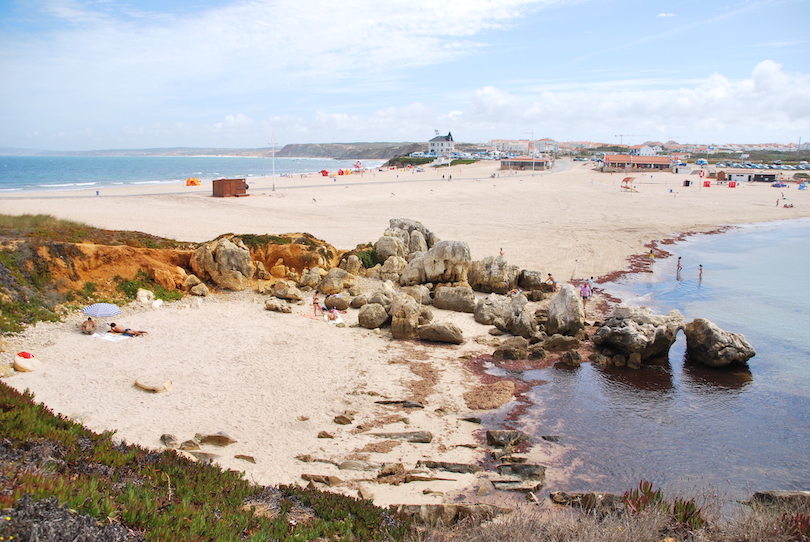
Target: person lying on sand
[(88, 326), (115, 328)]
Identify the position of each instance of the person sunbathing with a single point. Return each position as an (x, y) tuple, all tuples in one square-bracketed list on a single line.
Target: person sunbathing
[(115, 328), (89, 326)]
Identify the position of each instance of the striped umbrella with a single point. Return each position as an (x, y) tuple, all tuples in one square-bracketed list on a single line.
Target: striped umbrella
[(101, 310)]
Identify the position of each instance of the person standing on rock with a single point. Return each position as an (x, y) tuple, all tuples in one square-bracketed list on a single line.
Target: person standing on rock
[(550, 280)]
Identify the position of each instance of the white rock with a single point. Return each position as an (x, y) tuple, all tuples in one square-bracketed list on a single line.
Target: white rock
[(27, 365)]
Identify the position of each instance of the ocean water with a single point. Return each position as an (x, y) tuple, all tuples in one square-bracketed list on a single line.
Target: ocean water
[(690, 427), (19, 173)]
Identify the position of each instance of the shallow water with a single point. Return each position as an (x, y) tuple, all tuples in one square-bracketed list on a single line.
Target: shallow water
[(687, 426)]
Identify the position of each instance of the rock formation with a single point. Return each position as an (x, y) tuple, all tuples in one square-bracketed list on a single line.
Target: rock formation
[(565, 313), (629, 330), (226, 262), (708, 344), (493, 274)]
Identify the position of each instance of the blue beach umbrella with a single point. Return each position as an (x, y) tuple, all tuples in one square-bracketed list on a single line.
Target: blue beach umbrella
[(101, 310)]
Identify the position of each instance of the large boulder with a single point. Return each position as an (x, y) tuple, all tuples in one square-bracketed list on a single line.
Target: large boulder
[(631, 330), (392, 268), (708, 344), (390, 245), (352, 264), (226, 262), (488, 308), (285, 289), (420, 293), (414, 272), (417, 242), (565, 313), (447, 261), (512, 348), (339, 302), (312, 277), (531, 280), (441, 332), (335, 281), (493, 274), (518, 318), (372, 316), (384, 295), (459, 299), (405, 313)]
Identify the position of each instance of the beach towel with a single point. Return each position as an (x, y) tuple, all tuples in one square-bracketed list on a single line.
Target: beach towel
[(310, 316), (112, 337)]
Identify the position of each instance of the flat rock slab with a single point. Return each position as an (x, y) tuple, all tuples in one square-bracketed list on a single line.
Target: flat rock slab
[(153, 385), (523, 486), (461, 468), (413, 436), (217, 439)]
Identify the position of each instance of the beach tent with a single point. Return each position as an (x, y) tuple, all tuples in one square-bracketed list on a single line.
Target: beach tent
[(192, 181), (324, 173)]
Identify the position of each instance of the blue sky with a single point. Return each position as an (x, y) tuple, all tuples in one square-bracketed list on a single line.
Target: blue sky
[(104, 74)]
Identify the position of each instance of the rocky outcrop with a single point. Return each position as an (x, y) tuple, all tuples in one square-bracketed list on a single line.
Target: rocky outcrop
[(637, 330), (227, 263), (708, 344), (459, 299), (565, 313), (493, 275)]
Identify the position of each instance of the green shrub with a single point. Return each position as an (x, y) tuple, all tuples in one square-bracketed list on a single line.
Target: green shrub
[(143, 281)]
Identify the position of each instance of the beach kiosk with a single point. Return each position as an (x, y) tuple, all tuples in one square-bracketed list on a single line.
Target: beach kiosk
[(226, 188)]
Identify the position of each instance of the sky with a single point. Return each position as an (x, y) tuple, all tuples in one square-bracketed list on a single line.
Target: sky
[(125, 74)]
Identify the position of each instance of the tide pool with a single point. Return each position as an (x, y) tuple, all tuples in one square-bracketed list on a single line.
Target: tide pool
[(733, 430)]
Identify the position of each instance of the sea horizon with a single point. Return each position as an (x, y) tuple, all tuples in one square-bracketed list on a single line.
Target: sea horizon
[(65, 173)]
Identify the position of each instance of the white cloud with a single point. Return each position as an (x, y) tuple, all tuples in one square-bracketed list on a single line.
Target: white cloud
[(665, 15)]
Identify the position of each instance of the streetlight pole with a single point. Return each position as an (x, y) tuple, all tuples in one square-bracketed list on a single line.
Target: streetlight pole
[(273, 149)]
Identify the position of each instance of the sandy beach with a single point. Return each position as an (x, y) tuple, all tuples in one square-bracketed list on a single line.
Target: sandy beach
[(274, 381)]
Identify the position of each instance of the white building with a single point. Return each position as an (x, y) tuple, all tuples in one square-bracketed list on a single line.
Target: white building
[(645, 150), (441, 145)]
